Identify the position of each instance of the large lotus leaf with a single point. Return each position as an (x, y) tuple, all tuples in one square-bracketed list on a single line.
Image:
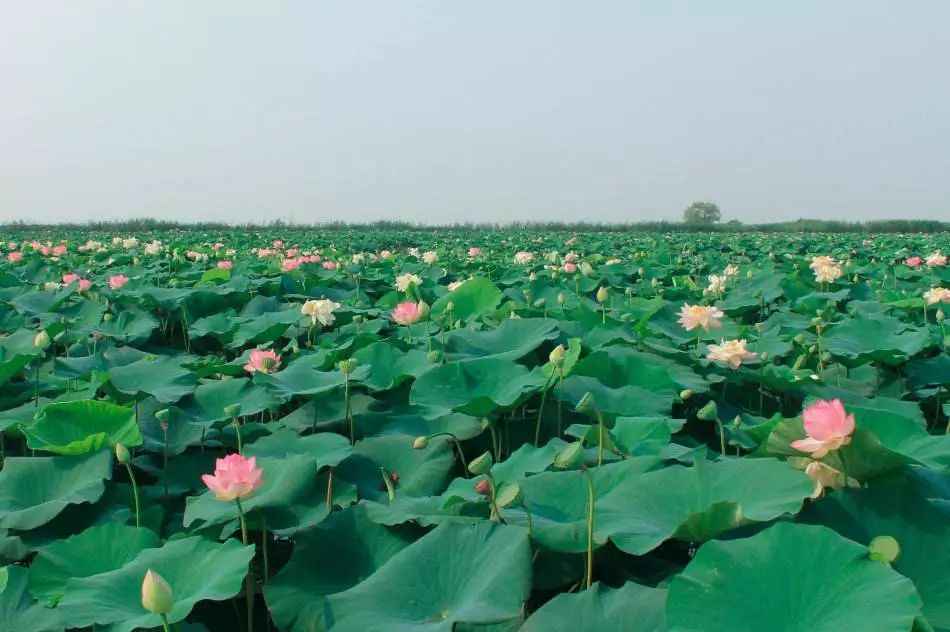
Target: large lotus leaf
[(132, 326), (898, 507), (620, 366), (389, 367), (626, 401), (454, 577), (103, 361), (265, 327), (511, 340), (600, 609), (328, 448), (473, 298), (752, 293), (301, 378), (207, 402), (337, 554), (18, 609), (99, 549), (163, 378), (415, 421), (16, 351), (417, 472), (81, 427), (790, 577), (475, 387), (34, 490), (880, 338), (195, 568), (289, 499)]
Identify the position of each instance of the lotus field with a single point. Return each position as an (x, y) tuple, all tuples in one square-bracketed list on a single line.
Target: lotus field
[(474, 430)]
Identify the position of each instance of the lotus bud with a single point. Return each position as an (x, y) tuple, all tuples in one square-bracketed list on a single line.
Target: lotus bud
[(813, 349), (41, 340), (156, 593), (764, 356), (481, 464), (709, 412), (749, 274), (421, 443), (347, 366), (884, 548), (940, 315), (533, 276), (122, 454), (557, 355), (423, 310), (685, 394), (799, 339), (569, 456), (450, 306), (586, 403), (434, 356), (654, 283), (107, 317), (483, 487), (539, 303), (233, 411), (641, 272), (560, 298), (602, 295)]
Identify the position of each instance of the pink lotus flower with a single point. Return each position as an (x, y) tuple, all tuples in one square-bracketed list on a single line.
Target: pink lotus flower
[(292, 252), (474, 251), (59, 251), (329, 265), (70, 277), (13, 257), (828, 426), (264, 361), (407, 313), (225, 265), (84, 285), (45, 250), (116, 281), (290, 264), (570, 268), (234, 477), (693, 316), (278, 243), (913, 261)]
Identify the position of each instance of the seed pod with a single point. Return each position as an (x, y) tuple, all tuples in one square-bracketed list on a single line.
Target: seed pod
[(481, 465)]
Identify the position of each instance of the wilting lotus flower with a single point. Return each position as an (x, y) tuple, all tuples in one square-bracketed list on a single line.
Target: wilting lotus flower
[(235, 477), (732, 352), (403, 281), (225, 264), (937, 295), (13, 257), (116, 281), (320, 311), (828, 427), (936, 260), (823, 475), (693, 316), (407, 313), (914, 261), (474, 251), (264, 361)]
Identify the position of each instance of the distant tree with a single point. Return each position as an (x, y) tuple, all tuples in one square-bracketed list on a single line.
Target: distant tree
[(699, 213)]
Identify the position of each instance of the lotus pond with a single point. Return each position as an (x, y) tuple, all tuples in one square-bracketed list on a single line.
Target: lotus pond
[(463, 430)]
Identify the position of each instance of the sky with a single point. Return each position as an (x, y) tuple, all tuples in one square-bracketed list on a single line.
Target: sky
[(435, 111)]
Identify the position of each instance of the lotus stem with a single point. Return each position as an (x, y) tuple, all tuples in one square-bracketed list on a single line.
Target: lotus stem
[(349, 412), (164, 617), (544, 396), (590, 527), (248, 579), (135, 495)]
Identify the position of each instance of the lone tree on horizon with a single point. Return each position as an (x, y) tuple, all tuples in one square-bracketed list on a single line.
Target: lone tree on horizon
[(699, 213)]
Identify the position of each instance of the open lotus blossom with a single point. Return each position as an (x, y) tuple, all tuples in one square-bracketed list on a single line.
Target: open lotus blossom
[(234, 477), (403, 281), (430, 257), (937, 260), (116, 281), (693, 316), (828, 426), (385, 254), (523, 257), (717, 284), (474, 251), (329, 265), (407, 313), (320, 311), (84, 285), (731, 352), (937, 295), (265, 361), (731, 270), (914, 261), (13, 257), (570, 268), (224, 264), (70, 277)]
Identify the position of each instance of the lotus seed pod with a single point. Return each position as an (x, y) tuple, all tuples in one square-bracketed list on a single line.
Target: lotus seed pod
[(41, 340), (156, 593), (709, 412), (347, 366), (884, 548), (557, 355), (481, 464), (509, 495), (163, 415), (122, 454), (232, 410), (570, 456), (420, 443), (629, 292)]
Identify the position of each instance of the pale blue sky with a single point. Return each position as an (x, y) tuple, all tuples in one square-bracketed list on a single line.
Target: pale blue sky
[(444, 110)]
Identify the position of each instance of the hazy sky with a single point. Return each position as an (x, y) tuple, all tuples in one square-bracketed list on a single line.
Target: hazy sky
[(445, 110)]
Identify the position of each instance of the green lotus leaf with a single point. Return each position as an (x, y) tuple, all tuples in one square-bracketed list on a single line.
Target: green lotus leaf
[(19, 610), (475, 387), (601, 609), (163, 378), (82, 427), (473, 298)]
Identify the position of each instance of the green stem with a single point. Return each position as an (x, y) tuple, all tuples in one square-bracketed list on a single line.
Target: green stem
[(722, 437), (237, 431), (330, 491), (495, 511), (844, 468), (349, 412), (264, 548), (560, 392), (135, 495), (164, 617), (600, 437), (248, 579), (590, 528), (544, 396)]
